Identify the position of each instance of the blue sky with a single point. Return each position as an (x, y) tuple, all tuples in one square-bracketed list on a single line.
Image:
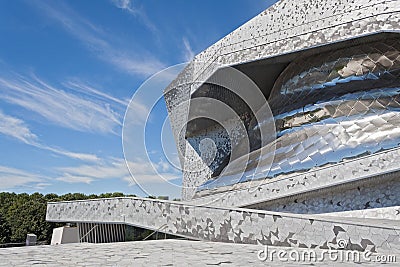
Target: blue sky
[(67, 72)]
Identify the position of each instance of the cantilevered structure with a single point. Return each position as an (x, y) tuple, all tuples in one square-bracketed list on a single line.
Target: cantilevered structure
[(329, 76)]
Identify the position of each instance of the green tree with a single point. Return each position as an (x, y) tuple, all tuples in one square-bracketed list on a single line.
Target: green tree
[(28, 215), (21, 214), (5, 230)]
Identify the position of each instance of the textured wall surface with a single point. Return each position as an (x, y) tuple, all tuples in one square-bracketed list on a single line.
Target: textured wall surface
[(380, 192), (232, 225), (247, 194), (390, 213), (287, 27), (329, 109)]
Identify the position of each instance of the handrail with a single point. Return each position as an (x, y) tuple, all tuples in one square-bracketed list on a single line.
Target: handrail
[(155, 231), (80, 240)]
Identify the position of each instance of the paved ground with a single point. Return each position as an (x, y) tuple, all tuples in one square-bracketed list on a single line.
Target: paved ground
[(169, 253)]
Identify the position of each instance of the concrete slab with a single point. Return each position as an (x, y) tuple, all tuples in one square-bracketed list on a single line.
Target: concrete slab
[(171, 253)]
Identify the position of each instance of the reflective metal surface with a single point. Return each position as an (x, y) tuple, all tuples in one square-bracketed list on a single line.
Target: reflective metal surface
[(331, 107)]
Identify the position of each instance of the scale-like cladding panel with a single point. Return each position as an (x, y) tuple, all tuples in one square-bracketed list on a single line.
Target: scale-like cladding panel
[(331, 107), (200, 129)]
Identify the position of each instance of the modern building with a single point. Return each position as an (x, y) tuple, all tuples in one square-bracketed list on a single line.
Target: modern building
[(288, 131)]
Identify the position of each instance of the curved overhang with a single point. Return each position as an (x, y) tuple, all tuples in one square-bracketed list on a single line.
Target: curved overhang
[(264, 46)]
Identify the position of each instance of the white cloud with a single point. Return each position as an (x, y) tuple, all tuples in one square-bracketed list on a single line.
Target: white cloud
[(188, 52), (125, 4), (100, 43), (112, 168), (135, 11), (90, 90), (62, 108), (146, 172), (68, 178), (11, 178), (72, 155), (17, 128), (116, 168), (141, 110), (41, 186)]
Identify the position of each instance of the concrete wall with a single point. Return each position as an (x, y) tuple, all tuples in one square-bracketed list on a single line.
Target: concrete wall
[(231, 225), (64, 235)]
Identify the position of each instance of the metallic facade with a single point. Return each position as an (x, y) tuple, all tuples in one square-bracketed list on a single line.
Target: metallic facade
[(330, 76), (336, 106)]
